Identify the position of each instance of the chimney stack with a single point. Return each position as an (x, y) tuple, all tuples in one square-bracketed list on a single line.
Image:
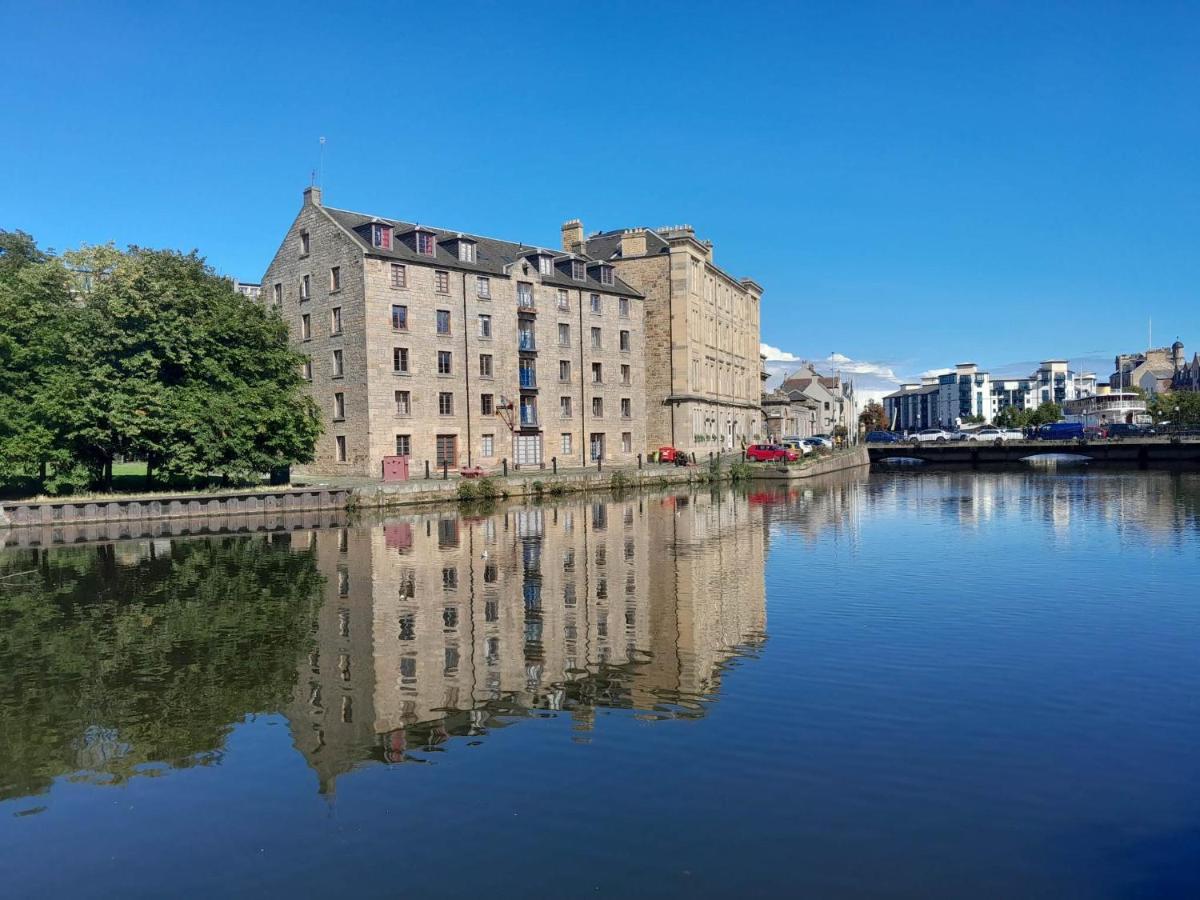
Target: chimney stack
[(633, 242), (572, 236), (312, 195)]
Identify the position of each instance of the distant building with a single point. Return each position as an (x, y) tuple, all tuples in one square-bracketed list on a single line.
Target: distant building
[(253, 291), (1187, 377), (1154, 370), (789, 414), (833, 396)]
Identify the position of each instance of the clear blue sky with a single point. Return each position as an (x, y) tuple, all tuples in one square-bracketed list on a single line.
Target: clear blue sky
[(914, 184)]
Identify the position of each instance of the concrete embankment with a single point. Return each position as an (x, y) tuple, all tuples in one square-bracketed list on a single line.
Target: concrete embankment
[(199, 513)]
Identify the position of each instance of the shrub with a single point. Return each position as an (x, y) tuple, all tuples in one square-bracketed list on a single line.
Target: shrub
[(487, 489), (538, 487), (739, 471), (619, 481), (558, 488), (467, 491)]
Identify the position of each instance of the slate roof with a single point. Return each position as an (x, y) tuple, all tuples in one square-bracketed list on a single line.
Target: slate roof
[(607, 244), (492, 256)]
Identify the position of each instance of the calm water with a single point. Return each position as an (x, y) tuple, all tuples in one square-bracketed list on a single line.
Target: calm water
[(911, 685)]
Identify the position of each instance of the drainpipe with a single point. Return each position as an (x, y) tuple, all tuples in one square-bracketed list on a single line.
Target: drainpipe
[(467, 364), (583, 433)]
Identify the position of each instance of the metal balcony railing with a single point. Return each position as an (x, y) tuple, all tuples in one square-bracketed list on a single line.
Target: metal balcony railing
[(526, 341), (529, 417), (528, 378)]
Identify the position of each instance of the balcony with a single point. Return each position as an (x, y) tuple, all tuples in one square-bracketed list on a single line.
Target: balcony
[(525, 302), (529, 418), (526, 340), (528, 379)]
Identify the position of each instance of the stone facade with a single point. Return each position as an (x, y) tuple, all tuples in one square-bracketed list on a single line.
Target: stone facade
[(836, 403), (456, 349), (702, 335)]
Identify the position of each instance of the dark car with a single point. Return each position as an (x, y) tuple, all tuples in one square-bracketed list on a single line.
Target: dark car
[(883, 437), (1060, 431), (1125, 430)]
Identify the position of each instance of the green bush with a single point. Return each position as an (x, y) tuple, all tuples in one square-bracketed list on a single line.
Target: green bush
[(619, 481), (538, 487), (467, 491), (739, 471), (487, 489)]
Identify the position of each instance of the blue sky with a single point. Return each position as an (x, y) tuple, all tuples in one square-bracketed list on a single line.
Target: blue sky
[(915, 184)]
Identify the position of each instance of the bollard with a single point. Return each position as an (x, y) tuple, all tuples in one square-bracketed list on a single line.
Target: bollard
[(554, 464), (426, 470), (445, 469), (639, 462), (504, 462), (693, 457)]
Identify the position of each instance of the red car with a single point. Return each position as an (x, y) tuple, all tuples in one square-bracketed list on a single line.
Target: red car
[(771, 453)]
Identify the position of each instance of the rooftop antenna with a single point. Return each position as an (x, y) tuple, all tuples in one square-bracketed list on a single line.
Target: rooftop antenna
[(321, 163)]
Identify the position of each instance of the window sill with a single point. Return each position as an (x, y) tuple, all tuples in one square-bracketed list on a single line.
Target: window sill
[(337, 419), (334, 291), (398, 287), (402, 374), (336, 377), (334, 334)]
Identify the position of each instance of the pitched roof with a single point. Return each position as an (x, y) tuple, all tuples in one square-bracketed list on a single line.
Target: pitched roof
[(607, 244), (492, 256)]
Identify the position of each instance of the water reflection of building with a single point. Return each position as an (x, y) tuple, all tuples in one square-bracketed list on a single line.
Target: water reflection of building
[(436, 625)]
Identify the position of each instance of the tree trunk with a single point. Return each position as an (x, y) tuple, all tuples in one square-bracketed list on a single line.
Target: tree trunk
[(149, 472), (108, 476)]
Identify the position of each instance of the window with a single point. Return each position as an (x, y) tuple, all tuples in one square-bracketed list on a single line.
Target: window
[(577, 270), (625, 374), (399, 276), (596, 451), (335, 321), (597, 407), (487, 445), (305, 328), (447, 452), (597, 342), (564, 407), (545, 265), (338, 368), (597, 373), (564, 335), (483, 287), (595, 301), (306, 369), (335, 279), (444, 362), (623, 308), (403, 445), (606, 275), (381, 236), (564, 370), (399, 317), (400, 359), (339, 444), (626, 408), (403, 403), (304, 286), (625, 342), (277, 293), (524, 295), (466, 251), (443, 321), (339, 405), (305, 243), (445, 404), (487, 405), (485, 327), (442, 281), (566, 443), (425, 243), (485, 365)]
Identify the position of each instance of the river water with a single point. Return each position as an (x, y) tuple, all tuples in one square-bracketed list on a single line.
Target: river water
[(908, 685)]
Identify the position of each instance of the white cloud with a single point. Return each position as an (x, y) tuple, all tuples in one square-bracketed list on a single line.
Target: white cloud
[(774, 354), (934, 373)]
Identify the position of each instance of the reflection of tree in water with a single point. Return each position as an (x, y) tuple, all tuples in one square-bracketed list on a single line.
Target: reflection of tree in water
[(117, 655)]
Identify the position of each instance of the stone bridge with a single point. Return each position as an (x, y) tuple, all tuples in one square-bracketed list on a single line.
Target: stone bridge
[(1142, 452)]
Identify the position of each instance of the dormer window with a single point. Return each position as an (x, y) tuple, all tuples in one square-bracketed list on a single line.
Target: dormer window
[(381, 236), (578, 272), (606, 274), (466, 251), (425, 243), (546, 265)]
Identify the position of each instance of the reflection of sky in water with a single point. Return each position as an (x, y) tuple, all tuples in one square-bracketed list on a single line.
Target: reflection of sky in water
[(974, 684)]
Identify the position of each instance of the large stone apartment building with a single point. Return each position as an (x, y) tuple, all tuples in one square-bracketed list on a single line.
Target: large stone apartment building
[(702, 335), (458, 350)]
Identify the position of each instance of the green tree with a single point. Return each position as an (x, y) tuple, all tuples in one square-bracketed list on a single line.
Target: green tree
[(873, 417), (1162, 407), (1046, 413)]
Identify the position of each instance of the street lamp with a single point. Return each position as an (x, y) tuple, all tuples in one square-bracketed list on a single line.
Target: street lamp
[(1176, 418)]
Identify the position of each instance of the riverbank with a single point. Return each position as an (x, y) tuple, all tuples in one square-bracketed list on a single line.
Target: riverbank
[(309, 496)]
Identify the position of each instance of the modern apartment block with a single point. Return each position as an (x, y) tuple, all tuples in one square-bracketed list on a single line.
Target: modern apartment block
[(949, 399), (457, 350), (702, 335)]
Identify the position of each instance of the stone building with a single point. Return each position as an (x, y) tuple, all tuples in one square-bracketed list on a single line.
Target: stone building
[(436, 626), (451, 348), (837, 405), (1153, 370), (702, 335), (789, 415)]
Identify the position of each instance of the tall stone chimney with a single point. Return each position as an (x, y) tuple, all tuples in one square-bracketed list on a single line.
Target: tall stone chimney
[(633, 242), (572, 236), (312, 196)]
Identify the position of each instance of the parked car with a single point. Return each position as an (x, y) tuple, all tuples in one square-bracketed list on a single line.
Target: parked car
[(883, 437), (1095, 432), (1119, 430), (930, 435), (1060, 431), (816, 443), (771, 453), (995, 435), (798, 445)]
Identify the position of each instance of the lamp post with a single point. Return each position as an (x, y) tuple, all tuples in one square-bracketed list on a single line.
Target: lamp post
[(1176, 419)]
